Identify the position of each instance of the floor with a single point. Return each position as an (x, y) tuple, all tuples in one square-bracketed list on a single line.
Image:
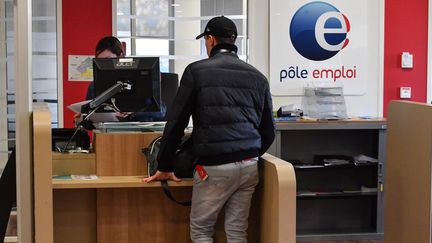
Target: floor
[(12, 231)]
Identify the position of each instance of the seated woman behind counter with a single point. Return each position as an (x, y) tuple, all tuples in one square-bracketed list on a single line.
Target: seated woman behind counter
[(111, 47)]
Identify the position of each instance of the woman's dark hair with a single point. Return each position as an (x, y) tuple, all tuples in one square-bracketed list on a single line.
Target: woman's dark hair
[(109, 43)]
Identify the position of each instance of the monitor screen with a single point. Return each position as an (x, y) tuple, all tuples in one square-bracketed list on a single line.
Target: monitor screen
[(141, 73), (169, 86)]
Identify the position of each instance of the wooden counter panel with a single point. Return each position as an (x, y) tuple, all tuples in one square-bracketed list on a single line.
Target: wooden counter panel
[(142, 215), (119, 154), (407, 205), (73, 163), (42, 171), (75, 216)]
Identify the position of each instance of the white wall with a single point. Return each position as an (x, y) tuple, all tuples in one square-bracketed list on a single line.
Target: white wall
[(368, 104)]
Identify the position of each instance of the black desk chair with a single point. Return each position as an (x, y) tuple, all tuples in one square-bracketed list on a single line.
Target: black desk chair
[(7, 193), (169, 87)]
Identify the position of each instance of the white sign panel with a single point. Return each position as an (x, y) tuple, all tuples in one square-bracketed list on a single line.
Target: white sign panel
[(322, 42)]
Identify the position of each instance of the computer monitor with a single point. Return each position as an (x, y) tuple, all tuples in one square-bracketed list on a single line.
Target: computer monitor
[(143, 75), (169, 87)]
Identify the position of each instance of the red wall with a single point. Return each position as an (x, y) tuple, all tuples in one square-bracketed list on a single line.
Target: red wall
[(406, 23), (84, 23), (406, 29)]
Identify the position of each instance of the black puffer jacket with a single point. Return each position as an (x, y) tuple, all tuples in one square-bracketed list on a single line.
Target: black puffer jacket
[(231, 108)]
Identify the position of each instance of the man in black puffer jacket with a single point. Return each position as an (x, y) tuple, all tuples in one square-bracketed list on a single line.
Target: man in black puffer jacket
[(231, 108)]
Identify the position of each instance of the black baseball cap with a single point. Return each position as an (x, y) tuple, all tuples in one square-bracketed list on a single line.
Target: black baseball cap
[(221, 27)]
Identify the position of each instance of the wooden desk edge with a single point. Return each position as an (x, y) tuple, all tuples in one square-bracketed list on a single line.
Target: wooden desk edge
[(279, 201), (342, 121), (113, 182)]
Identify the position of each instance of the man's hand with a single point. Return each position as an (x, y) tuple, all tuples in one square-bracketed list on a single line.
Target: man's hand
[(123, 116), (77, 118), (161, 176)]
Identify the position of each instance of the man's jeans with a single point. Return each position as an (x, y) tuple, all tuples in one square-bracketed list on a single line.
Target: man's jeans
[(230, 187)]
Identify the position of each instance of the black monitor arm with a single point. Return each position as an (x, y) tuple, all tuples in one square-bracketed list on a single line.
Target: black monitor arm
[(93, 105), (97, 102)]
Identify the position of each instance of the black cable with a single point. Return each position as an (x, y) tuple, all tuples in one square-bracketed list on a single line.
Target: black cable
[(79, 127)]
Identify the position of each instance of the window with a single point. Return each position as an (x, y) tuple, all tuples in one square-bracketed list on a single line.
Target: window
[(167, 28), (44, 69), (44, 63)]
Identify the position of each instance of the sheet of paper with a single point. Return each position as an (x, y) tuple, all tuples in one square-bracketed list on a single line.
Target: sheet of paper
[(95, 117), (84, 177), (76, 107)]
